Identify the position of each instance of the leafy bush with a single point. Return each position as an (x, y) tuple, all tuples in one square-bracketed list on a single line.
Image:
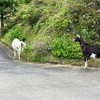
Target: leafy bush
[(17, 32), (61, 24), (64, 47), (29, 13)]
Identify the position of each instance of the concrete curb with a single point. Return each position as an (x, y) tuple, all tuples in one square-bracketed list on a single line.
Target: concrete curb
[(8, 50)]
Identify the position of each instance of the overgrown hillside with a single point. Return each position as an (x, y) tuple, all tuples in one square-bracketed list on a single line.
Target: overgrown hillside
[(48, 28)]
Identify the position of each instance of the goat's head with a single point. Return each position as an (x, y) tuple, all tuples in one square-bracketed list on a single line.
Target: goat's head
[(77, 38), (23, 45)]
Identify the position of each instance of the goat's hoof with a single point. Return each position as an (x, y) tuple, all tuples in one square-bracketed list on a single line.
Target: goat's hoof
[(85, 67)]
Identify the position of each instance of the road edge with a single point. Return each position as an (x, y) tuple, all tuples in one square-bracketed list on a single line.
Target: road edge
[(9, 52), (7, 49)]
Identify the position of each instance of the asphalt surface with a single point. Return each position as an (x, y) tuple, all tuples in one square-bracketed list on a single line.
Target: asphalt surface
[(26, 81)]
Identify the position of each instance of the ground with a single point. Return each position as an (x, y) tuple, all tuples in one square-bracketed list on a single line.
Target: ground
[(29, 81)]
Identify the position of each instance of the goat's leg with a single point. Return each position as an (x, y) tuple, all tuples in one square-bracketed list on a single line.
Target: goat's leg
[(14, 54), (19, 55), (85, 59)]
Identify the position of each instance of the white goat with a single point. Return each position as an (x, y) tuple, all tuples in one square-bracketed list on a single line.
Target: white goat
[(17, 46)]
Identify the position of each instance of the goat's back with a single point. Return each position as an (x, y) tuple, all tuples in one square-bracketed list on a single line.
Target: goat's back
[(16, 43), (89, 49)]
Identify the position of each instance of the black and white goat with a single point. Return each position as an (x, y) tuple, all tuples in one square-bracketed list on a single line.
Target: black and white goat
[(17, 46), (88, 50)]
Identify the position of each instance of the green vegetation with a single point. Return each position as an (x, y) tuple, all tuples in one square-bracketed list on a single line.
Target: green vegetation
[(48, 28), (65, 48), (7, 8)]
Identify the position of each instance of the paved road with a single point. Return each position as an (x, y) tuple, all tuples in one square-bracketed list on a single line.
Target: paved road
[(20, 81)]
